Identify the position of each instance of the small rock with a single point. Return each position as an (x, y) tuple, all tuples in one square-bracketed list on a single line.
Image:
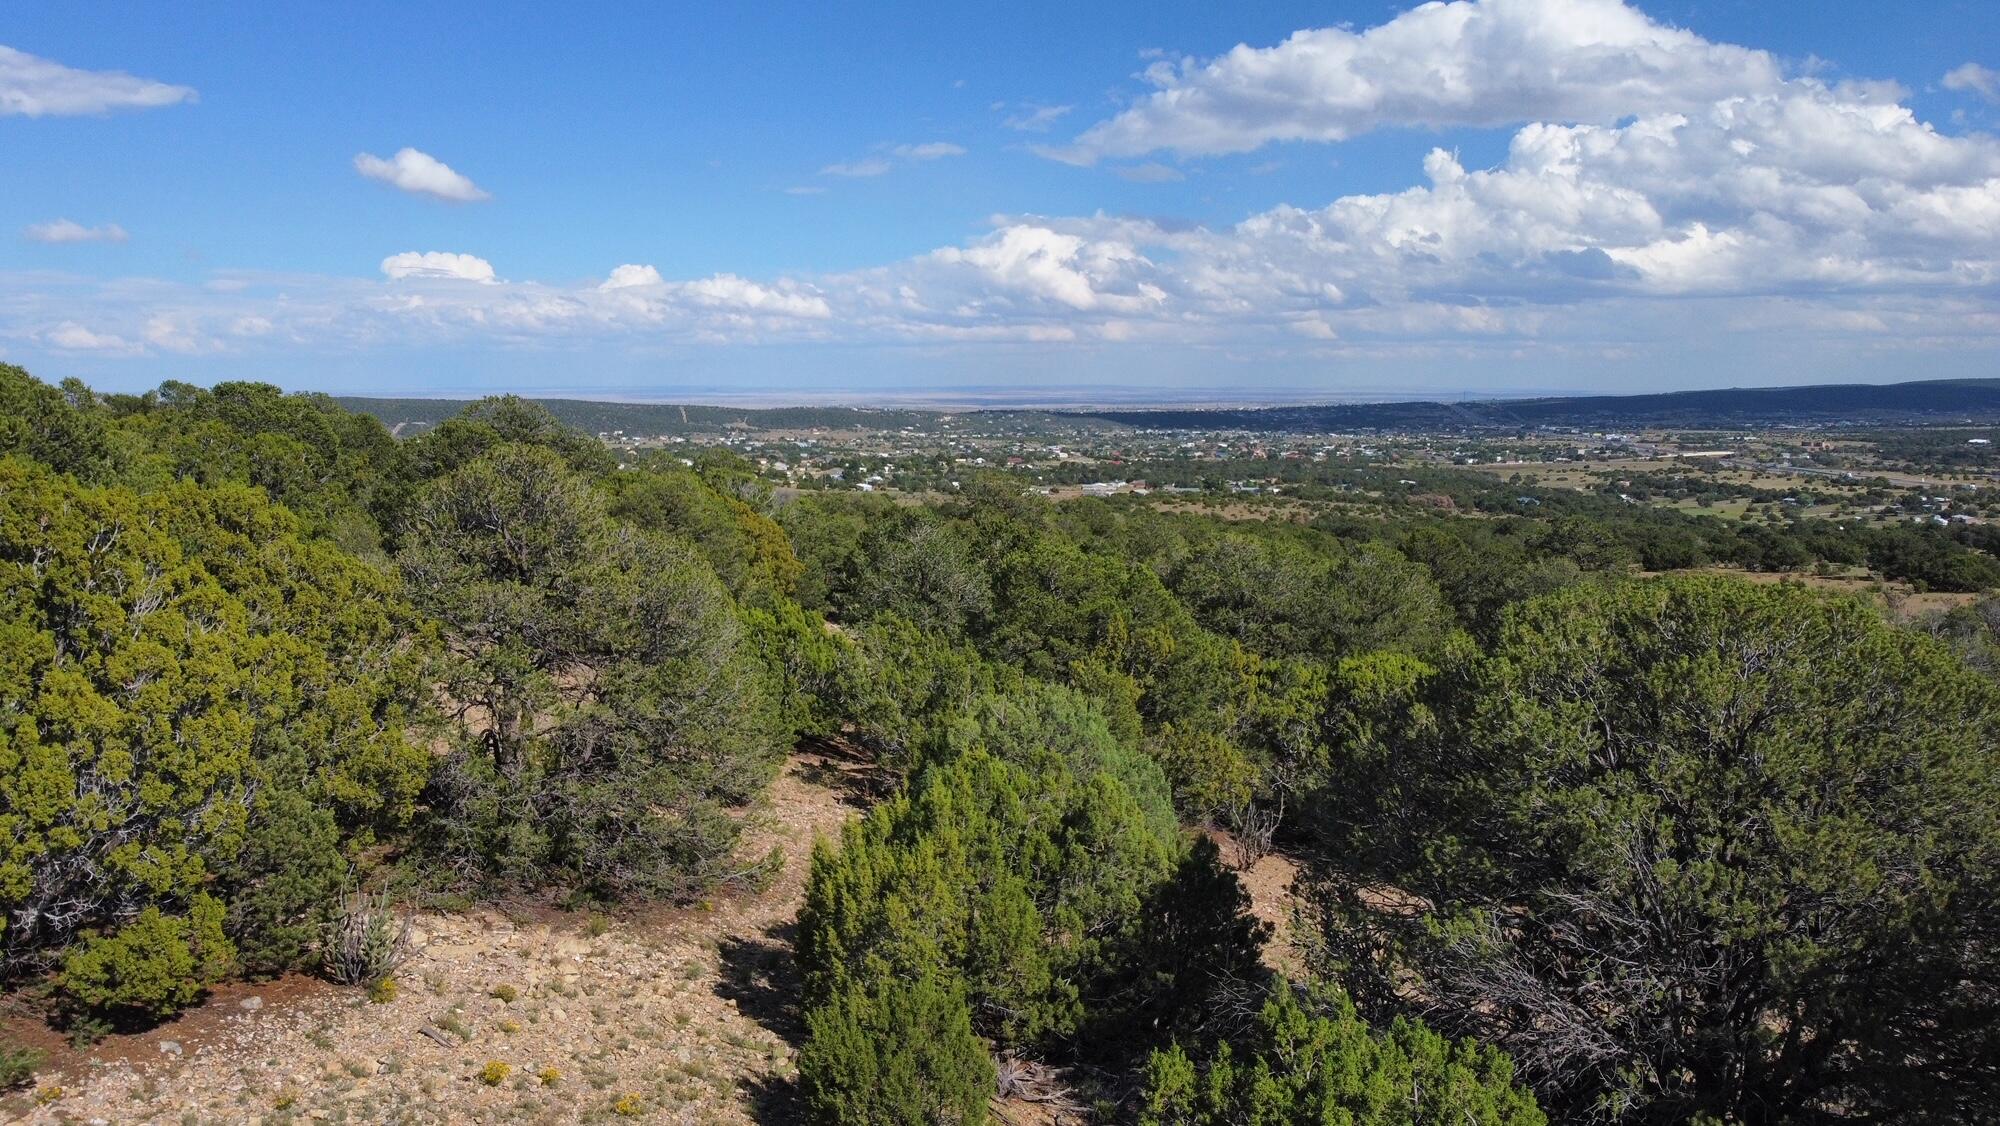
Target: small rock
[(170, 1047), (250, 1004)]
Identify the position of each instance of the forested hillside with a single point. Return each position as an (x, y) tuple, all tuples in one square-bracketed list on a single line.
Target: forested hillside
[(1574, 845)]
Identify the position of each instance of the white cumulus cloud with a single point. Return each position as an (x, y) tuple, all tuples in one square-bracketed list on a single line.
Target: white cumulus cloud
[(1736, 219), (36, 87), (437, 264), (727, 291), (626, 276), (69, 230), (69, 336), (419, 173), (1466, 63)]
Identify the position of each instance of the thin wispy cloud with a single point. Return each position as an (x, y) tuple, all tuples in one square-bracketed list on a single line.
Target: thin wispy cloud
[(1151, 172), (31, 86), (68, 230), (866, 166), (1028, 117), (930, 150), (887, 156), (420, 173), (1975, 79)]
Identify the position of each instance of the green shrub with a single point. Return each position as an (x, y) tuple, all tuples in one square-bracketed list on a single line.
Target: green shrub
[(1318, 1062), (620, 789), (1686, 847), (898, 1053), (44, 423), (279, 886), (17, 1066), (196, 696), (156, 965), (1013, 880)]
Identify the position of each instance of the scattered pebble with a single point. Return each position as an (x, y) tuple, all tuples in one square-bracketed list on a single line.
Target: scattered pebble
[(608, 1013)]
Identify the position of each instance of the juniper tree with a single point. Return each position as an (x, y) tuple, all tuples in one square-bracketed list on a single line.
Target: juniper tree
[(1686, 848)]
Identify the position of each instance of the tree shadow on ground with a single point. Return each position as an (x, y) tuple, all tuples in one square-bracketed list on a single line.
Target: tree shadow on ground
[(760, 975), (842, 767)]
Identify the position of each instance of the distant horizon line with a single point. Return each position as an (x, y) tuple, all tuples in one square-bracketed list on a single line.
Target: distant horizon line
[(1099, 397)]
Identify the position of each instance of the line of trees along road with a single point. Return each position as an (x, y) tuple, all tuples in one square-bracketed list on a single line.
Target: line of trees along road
[(1574, 846)]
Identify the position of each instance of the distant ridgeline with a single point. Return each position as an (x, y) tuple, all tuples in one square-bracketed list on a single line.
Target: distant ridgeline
[(1925, 402)]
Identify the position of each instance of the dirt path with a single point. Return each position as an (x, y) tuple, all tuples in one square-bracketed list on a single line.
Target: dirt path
[(1268, 881), (676, 1016)]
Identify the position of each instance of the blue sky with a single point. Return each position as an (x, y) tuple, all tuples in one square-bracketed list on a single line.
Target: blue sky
[(828, 200)]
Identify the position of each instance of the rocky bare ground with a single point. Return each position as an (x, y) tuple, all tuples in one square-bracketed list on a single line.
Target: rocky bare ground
[(673, 1016)]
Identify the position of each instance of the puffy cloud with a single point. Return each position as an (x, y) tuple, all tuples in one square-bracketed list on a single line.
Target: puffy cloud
[(437, 264), (68, 230), (729, 292), (174, 333), (1976, 79), (69, 336), (38, 87), (1025, 266), (1466, 63), (1746, 218), (419, 173), (624, 277)]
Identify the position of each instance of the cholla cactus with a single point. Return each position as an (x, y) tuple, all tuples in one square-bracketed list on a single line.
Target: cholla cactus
[(365, 942)]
